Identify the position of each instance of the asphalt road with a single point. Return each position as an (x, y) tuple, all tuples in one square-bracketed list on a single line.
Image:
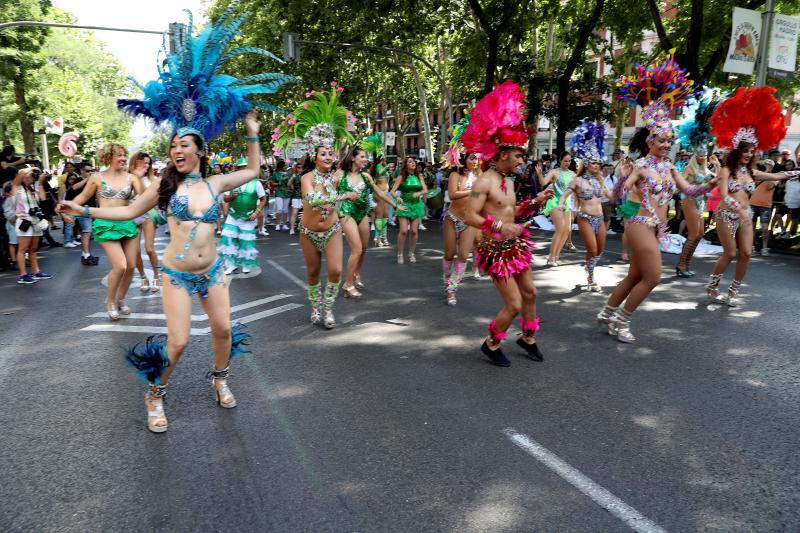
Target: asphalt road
[(394, 421)]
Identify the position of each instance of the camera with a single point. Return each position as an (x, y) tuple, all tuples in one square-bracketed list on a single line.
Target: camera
[(36, 212)]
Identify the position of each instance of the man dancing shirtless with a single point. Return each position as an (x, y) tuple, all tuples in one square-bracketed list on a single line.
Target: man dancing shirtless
[(504, 252), (496, 131)]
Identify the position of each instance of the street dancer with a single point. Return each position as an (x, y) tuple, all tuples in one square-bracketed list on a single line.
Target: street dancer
[(119, 238), (188, 195), (559, 180), (497, 131), (695, 134), (321, 123), (141, 166), (412, 191), (651, 183), (589, 187), (750, 120), (353, 214), (237, 246), (459, 237)]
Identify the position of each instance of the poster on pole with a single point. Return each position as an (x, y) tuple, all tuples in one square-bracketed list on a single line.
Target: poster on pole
[(390, 138), (742, 51), (783, 46)]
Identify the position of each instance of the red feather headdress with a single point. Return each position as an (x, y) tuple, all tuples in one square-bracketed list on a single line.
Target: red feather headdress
[(497, 122), (751, 115)]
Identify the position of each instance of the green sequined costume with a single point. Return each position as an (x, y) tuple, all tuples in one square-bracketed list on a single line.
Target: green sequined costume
[(356, 209), (416, 207)]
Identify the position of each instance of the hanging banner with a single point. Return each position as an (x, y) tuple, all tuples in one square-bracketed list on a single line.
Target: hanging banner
[(741, 58), (783, 46), (390, 138)]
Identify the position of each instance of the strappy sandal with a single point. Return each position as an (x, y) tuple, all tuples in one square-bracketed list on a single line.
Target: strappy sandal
[(154, 401)]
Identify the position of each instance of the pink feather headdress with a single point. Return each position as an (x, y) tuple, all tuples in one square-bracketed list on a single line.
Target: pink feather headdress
[(497, 122)]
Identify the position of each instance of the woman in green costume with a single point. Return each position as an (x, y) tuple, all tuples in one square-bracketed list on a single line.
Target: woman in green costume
[(119, 239), (560, 178), (413, 190), (353, 214)]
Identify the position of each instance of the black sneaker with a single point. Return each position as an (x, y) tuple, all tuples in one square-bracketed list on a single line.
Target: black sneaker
[(532, 350), (496, 356), (87, 261)]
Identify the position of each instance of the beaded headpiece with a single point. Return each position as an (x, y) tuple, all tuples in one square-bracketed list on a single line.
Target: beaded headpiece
[(318, 121), (658, 89), (497, 122), (752, 115), (588, 140), (192, 94)]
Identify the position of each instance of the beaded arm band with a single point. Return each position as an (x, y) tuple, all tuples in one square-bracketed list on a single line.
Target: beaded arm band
[(252, 139), (698, 190)]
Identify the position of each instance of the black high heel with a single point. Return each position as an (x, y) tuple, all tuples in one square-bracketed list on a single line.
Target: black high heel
[(532, 350)]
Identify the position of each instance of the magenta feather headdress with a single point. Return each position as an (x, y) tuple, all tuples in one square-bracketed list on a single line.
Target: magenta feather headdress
[(497, 122)]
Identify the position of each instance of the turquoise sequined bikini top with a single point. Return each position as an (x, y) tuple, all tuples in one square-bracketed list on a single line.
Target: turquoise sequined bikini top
[(179, 208)]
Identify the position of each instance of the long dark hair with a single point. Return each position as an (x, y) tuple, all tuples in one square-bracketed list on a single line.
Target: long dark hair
[(464, 161), (172, 178), (347, 162), (373, 168), (732, 161), (279, 166), (8, 151), (639, 142), (404, 170)]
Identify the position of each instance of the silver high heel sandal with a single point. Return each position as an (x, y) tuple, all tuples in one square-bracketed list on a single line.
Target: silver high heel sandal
[(123, 309), (154, 401), (113, 313), (622, 326), (712, 289), (330, 321), (219, 381), (145, 285), (733, 294)]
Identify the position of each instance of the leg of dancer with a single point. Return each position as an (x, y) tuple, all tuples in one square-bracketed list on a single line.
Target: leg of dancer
[(363, 229), (450, 248), (149, 232), (644, 274), (354, 235), (401, 239), (694, 225)]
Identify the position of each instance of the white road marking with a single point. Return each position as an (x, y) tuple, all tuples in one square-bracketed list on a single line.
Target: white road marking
[(195, 318), (574, 477), (198, 318), (140, 329), (268, 312), (294, 279)]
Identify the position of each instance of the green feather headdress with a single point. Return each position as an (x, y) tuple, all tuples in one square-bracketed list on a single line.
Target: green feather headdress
[(373, 145), (318, 121)]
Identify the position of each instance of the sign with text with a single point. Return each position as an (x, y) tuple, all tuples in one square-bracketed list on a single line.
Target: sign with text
[(783, 46), (746, 33)]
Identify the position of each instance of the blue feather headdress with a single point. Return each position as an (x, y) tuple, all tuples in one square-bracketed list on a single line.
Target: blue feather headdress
[(192, 94), (588, 140), (695, 129)]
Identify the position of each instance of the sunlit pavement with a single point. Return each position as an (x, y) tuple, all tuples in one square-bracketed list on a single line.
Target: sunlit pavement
[(394, 421)]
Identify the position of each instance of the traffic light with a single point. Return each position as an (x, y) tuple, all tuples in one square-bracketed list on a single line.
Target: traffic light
[(291, 48)]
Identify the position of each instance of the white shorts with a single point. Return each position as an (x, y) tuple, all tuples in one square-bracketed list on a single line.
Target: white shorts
[(281, 205), (297, 203), (33, 231)]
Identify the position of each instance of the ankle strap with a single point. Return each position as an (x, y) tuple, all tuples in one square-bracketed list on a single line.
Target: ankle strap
[(157, 391), (219, 374)]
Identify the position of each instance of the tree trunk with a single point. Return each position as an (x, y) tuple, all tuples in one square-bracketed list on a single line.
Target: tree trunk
[(423, 111), (584, 33), (25, 124)]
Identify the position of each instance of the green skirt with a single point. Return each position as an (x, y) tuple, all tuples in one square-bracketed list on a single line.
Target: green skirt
[(113, 230), (628, 209), (415, 209)]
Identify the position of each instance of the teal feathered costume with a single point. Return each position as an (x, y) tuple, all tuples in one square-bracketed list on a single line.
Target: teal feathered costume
[(192, 94)]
